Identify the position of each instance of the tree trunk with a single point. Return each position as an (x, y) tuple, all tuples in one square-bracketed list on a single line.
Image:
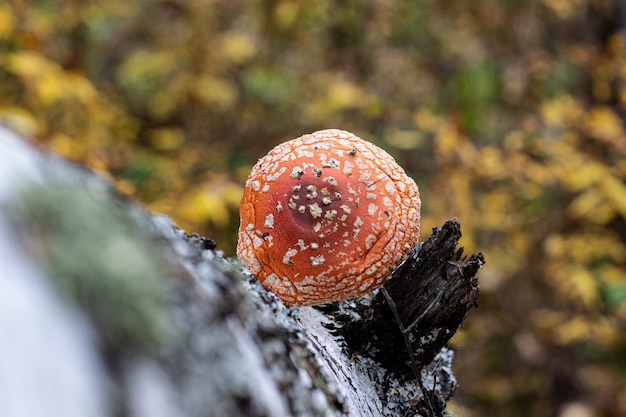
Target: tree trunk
[(154, 322)]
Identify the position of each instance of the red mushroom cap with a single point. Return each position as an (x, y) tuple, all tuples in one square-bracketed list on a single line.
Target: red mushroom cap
[(326, 217)]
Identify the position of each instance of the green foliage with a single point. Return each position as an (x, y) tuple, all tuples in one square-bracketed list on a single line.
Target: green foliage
[(474, 92), (508, 114)]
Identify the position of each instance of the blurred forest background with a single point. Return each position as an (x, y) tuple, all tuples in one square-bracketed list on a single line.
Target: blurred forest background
[(508, 114)]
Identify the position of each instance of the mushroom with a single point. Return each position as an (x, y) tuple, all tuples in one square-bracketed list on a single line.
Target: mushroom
[(326, 217)]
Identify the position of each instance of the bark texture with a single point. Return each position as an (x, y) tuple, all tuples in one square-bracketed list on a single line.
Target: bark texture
[(421, 306)]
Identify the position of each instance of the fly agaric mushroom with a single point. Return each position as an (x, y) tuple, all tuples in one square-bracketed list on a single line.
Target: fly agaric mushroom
[(326, 217)]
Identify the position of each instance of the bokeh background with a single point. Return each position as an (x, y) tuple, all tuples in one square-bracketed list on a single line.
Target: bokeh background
[(508, 114)]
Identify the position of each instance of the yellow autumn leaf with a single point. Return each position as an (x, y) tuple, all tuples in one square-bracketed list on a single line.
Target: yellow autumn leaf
[(607, 331), (237, 47), (7, 21), (67, 146), (554, 245), (603, 123), (286, 12), (25, 64), (586, 248), (343, 94), (547, 319), (491, 163), (166, 139), (20, 120), (49, 89), (212, 203), (583, 287), (612, 275), (126, 187), (45, 78), (615, 192), (561, 112), (447, 141), (144, 65), (214, 90), (426, 120), (404, 139), (498, 212), (591, 205), (565, 9), (450, 143), (576, 329), (536, 173), (201, 207), (99, 164), (232, 193), (335, 95), (81, 88)]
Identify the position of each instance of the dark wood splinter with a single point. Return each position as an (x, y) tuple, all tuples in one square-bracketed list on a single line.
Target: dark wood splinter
[(421, 306)]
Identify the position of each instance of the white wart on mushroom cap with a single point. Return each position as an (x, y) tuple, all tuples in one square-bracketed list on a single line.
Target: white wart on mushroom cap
[(326, 217)]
